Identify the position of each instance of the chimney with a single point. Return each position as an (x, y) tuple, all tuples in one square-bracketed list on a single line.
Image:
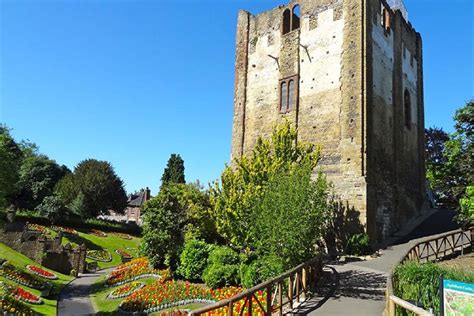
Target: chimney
[(147, 194)]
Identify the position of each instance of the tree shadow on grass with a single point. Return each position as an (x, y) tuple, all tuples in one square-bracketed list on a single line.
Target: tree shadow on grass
[(77, 239)]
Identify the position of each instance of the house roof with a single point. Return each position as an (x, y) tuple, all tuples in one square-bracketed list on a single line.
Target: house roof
[(136, 199)]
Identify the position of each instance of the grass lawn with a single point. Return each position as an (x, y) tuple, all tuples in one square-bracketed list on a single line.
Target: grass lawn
[(112, 242), (19, 260), (99, 296)]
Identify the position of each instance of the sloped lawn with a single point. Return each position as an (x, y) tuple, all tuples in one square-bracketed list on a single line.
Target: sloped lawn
[(21, 261), (111, 242)]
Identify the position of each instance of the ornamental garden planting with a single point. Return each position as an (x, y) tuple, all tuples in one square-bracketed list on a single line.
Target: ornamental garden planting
[(157, 291)]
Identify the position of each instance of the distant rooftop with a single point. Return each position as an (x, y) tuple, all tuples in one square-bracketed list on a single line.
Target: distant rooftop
[(398, 5)]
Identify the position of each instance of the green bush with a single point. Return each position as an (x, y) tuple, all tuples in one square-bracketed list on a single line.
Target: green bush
[(223, 267), (260, 270), (358, 244), (420, 282), (193, 259)]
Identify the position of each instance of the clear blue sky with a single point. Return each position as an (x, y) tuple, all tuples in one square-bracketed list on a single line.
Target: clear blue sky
[(133, 81)]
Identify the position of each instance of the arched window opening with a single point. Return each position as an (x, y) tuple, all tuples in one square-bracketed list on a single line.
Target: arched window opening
[(286, 21), (291, 94), (407, 108), (283, 97), (295, 18)]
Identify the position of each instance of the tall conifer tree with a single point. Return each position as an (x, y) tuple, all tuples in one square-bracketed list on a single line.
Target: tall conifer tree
[(174, 171)]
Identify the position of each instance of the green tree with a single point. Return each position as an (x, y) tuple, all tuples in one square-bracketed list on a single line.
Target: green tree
[(466, 206), (174, 171), (163, 229), (289, 217), (449, 167), (242, 186), (436, 159), (53, 208), (179, 212), (93, 189), (38, 175), (10, 155)]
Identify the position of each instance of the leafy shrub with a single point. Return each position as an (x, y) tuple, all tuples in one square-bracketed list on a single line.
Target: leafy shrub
[(168, 218), (223, 267), (421, 282), (260, 270), (466, 207), (193, 259), (358, 244)]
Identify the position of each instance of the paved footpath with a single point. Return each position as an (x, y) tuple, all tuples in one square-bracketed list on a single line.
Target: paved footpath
[(75, 299), (359, 287)]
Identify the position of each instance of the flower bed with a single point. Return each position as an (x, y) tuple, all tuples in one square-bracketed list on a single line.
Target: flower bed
[(38, 228), (41, 272), (99, 255), (98, 233), (9, 305), (164, 295), (25, 296), (66, 230), (124, 236), (122, 253), (134, 270), (14, 274), (126, 290)]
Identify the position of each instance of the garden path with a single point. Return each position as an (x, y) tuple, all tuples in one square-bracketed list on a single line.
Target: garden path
[(74, 299), (358, 288)]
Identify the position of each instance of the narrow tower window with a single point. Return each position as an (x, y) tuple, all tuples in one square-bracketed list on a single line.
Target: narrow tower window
[(283, 97), (407, 108), (291, 94), (286, 21), (295, 18)]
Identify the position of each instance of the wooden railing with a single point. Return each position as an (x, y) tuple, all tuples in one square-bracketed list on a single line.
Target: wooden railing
[(428, 249), (440, 246), (273, 296)]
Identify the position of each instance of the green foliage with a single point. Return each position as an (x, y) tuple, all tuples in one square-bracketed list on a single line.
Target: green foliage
[(174, 171), (193, 259), (100, 186), (420, 282), (9, 165), (242, 186), (358, 244), (38, 175), (449, 158), (288, 218), (53, 208), (177, 213), (261, 269), (466, 206), (163, 225), (223, 267)]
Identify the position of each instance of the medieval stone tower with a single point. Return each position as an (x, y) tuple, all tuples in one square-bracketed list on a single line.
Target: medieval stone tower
[(348, 74)]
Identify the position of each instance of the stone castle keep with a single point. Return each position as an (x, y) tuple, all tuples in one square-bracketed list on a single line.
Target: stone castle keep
[(348, 74)]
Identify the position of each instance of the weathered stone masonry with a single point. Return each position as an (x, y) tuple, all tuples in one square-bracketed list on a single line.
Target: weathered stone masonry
[(355, 62)]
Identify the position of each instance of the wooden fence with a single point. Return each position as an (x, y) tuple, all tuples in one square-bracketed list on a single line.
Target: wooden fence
[(429, 249), (273, 296)]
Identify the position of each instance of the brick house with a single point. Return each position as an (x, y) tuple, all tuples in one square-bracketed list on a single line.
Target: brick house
[(132, 213)]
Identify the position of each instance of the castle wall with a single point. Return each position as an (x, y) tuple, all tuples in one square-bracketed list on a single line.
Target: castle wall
[(395, 162), (316, 53), (352, 75)]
